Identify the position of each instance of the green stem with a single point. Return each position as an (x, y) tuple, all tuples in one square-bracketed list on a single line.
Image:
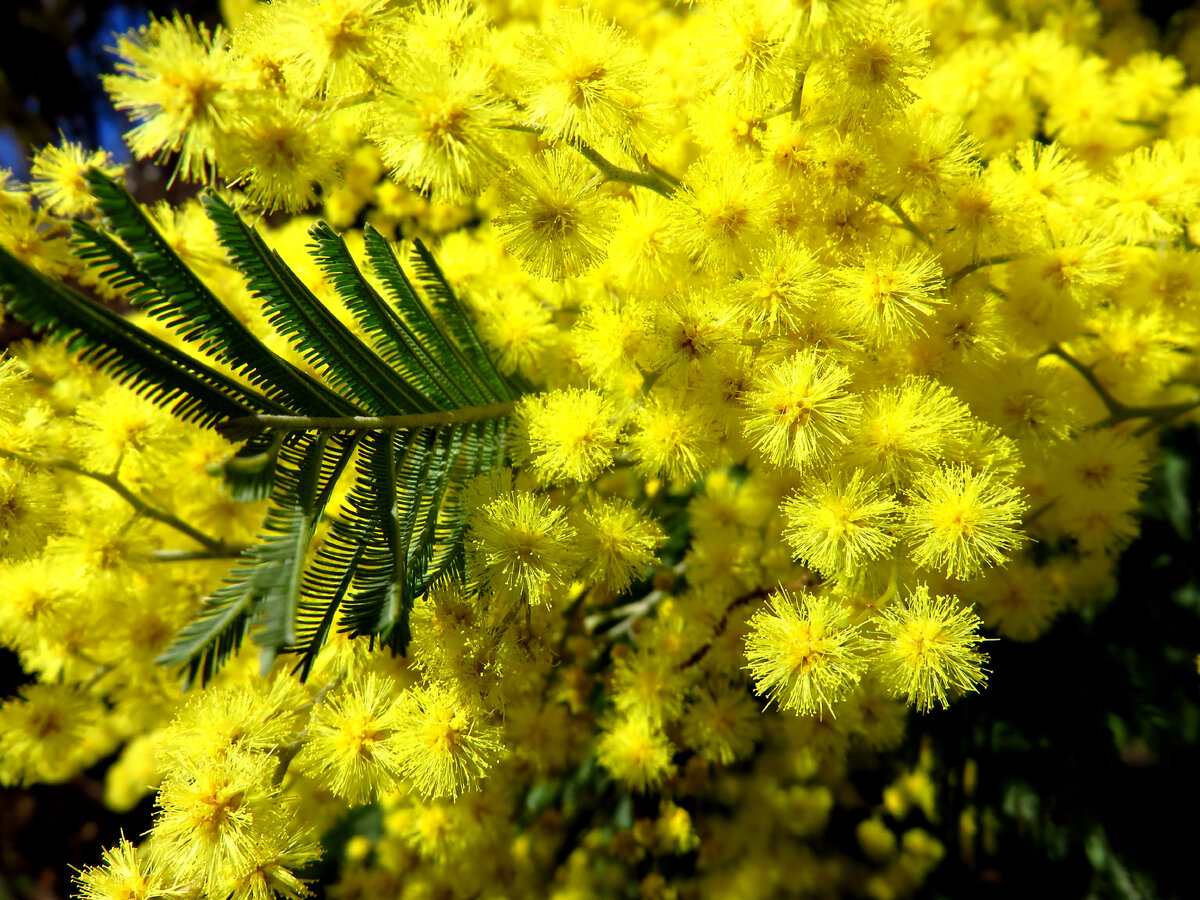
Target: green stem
[(624, 616), (214, 545), (613, 172), (1151, 124), (648, 381), (252, 424), (652, 177), (102, 669), (702, 651), (792, 107), (349, 101), (905, 222), (966, 270), (1112, 404), (798, 93), (287, 752), (1117, 411), (499, 631), (229, 552), (1033, 515), (660, 172), (1158, 415)]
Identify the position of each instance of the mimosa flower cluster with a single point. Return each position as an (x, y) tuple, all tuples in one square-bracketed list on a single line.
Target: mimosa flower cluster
[(847, 326)]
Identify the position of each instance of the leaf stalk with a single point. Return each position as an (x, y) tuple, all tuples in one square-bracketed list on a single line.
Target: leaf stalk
[(252, 424)]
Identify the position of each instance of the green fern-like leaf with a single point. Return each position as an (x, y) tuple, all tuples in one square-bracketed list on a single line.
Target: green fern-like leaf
[(411, 417)]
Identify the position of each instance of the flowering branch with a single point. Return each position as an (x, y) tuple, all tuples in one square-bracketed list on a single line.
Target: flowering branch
[(1120, 412), (214, 546)]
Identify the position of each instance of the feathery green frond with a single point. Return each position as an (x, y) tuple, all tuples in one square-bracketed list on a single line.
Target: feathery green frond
[(364, 381), (416, 414), (448, 351), (463, 335), (163, 374), (393, 337), (157, 281)]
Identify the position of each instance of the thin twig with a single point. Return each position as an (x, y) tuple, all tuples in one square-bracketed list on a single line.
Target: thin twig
[(966, 270), (798, 93), (287, 752), (630, 612), (613, 172), (1152, 124), (624, 616), (1112, 404), (560, 647), (1117, 411), (702, 651), (170, 556), (62, 463), (1033, 515), (341, 103), (1159, 415), (905, 222), (736, 602), (662, 173), (651, 176), (251, 424)]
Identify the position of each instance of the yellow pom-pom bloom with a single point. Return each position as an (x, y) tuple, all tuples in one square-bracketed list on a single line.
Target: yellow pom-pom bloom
[(327, 41), (635, 751), (723, 212), (803, 652), (571, 433), (800, 410), (961, 521), (617, 543), (585, 80), (444, 749), (282, 155), (905, 427), (126, 874), (352, 743), (58, 177), (795, 307), (747, 56), (30, 510), (555, 217), (836, 524), (221, 721), (522, 544), (927, 646), (43, 732), (875, 838), (270, 869), (890, 294), (671, 438), (213, 818), (180, 82), (441, 133), (780, 284), (878, 63), (722, 725)]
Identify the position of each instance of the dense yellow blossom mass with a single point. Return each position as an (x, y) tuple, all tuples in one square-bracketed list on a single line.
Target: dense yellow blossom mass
[(846, 328)]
